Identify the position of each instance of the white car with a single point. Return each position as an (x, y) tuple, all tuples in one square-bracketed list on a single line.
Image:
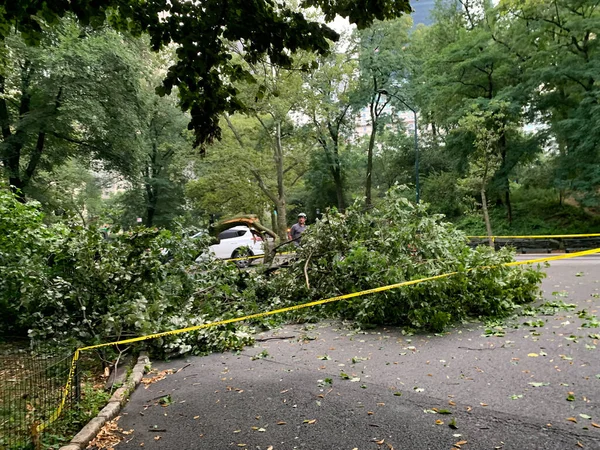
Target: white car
[(237, 242)]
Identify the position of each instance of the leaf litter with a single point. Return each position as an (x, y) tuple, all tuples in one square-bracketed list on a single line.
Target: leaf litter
[(109, 436)]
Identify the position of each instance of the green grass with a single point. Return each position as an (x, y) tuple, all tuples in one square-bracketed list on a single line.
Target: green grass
[(60, 433), (535, 212)]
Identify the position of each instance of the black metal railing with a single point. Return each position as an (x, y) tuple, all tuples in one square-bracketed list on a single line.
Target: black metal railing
[(541, 244), (31, 390)]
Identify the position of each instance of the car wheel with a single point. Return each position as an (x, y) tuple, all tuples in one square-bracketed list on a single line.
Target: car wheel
[(242, 252)]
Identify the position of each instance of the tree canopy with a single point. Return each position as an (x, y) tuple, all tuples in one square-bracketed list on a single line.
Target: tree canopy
[(203, 32)]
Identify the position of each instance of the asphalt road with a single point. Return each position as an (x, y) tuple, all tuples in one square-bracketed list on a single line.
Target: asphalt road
[(327, 386)]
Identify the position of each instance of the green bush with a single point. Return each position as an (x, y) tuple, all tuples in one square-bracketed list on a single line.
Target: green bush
[(139, 283), (25, 245), (443, 194), (397, 242), (67, 285)]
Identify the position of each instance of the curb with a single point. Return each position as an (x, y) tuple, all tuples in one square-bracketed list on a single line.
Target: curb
[(112, 408)]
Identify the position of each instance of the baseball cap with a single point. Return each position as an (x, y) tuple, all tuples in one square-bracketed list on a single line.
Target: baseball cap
[(302, 215)]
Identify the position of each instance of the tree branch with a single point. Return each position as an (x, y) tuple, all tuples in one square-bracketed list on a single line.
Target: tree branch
[(262, 186), (4, 117), (235, 132)]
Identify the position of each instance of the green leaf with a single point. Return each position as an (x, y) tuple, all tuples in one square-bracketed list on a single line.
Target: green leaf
[(453, 424)]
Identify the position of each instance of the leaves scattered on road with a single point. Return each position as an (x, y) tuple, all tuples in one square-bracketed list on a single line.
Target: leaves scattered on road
[(109, 435)]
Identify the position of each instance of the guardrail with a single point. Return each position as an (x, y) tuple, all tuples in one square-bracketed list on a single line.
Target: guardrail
[(541, 243)]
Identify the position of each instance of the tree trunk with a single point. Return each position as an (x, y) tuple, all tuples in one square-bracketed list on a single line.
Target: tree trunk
[(151, 205), (281, 224), (560, 197), (333, 158), (339, 191), (505, 181), (281, 204), (336, 172), (274, 225), (508, 203), (486, 216), (368, 201)]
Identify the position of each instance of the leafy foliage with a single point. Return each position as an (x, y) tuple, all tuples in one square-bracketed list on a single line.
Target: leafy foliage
[(25, 244), (71, 285), (204, 70), (83, 289), (74, 94), (399, 241)]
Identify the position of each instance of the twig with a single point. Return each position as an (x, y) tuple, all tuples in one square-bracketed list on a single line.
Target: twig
[(305, 270), (275, 337), (116, 368), (479, 349), (187, 365), (206, 289)]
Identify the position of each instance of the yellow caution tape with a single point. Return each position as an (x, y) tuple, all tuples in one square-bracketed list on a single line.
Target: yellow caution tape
[(56, 414), (541, 236), (67, 388), (244, 258)]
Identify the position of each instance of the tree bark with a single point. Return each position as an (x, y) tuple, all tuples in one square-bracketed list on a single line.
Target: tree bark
[(486, 217), (274, 224), (279, 199), (4, 118), (151, 205), (486, 214), (505, 180), (151, 172), (281, 206), (368, 201), (14, 142), (339, 190), (335, 165)]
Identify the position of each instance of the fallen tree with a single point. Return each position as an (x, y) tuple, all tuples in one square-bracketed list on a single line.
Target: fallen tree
[(399, 241)]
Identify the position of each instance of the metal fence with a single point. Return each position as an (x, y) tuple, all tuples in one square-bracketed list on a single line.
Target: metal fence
[(31, 388)]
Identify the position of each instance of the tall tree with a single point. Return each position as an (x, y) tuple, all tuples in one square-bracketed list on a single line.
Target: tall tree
[(384, 68), (557, 45), (75, 92), (478, 69), (162, 139), (487, 127), (276, 103), (328, 105)]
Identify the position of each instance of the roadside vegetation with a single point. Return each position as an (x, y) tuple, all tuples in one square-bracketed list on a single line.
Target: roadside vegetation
[(123, 133), (75, 288)]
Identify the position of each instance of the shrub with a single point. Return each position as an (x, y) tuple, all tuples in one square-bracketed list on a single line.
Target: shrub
[(68, 285), (25, 244)]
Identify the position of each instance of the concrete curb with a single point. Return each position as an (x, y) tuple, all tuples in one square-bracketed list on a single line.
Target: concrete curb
[(112, 408)]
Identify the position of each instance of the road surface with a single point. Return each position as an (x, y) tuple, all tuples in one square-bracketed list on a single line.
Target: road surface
[(533, 383)]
